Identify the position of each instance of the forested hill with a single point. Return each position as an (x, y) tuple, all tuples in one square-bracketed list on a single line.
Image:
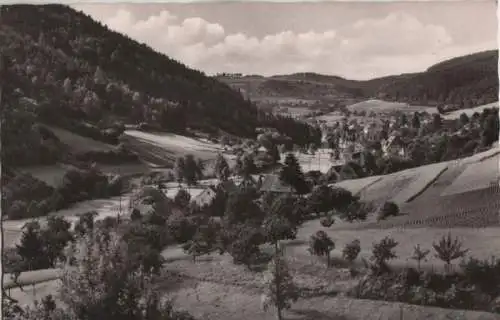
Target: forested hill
[(63, 68), (461, 82)]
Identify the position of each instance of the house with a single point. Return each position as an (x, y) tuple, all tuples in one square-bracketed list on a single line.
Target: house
[(208, 195), (273, 183), (394, 146)]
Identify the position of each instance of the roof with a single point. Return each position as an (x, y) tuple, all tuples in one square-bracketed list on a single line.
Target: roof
[(273, 183), (205, 197)]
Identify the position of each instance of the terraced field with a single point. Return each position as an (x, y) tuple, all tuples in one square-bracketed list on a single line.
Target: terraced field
[(476, 176)]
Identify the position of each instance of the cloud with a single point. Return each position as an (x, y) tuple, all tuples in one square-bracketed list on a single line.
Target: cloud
[(367, 48)]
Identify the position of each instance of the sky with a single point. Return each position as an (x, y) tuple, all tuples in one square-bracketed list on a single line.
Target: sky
[(356, 40)]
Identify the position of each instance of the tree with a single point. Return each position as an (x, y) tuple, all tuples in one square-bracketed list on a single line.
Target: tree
[(242, 242), (182, 198), (383, 252), (179, 169), (108, 284), (198, 246), (135, 215), (277, 227), (415, 121), (437, 121), (351, 251), (464, 119), (280, 287), (85, 223), (55, 237), (419, 255), (32, 247), (320, 244), (222, 171), (448, 250), (191, 170), (241, 208), (292, 174)]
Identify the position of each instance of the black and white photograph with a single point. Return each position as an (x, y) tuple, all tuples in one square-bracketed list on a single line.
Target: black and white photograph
[(250, 160)]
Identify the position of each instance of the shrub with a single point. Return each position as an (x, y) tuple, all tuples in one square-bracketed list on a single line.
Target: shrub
[(181, 228), (351, 251), (383, 252), (484, 274), (389, 209), (321, 244), (327, 221)]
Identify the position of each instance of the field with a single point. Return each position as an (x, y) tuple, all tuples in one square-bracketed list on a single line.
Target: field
[(51, 175), (386, 106), (214, 288), (163, 148), (79, 143), (476, 176), (469, 112), (358, 185)]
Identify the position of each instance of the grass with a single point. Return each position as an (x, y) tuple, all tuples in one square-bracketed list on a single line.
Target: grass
[(387, 106), (79, 143), (177, 145), (32, 277), (52, 175), (424, 177), (476, 176), (358, 185)]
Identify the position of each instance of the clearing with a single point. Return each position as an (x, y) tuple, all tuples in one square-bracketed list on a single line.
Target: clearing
[(387, 106), (79, 143)]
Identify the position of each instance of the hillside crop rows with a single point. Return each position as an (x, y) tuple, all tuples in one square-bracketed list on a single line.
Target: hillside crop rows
[(387, 188), (476, 176), (475, 209)]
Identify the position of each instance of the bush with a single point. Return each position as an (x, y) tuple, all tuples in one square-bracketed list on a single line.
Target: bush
[(390, 209), (327, 222), (351, 251), (181, 228)]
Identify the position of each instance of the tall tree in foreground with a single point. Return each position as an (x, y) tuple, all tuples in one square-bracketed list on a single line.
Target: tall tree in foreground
[(280, 287), (108, 284)]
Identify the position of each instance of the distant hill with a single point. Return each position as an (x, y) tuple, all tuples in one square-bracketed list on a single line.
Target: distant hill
[(66, 70), (463, 82)]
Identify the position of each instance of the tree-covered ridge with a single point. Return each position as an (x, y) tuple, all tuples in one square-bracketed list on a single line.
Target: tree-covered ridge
[(462, 82), (58, 61), (78, 61)]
